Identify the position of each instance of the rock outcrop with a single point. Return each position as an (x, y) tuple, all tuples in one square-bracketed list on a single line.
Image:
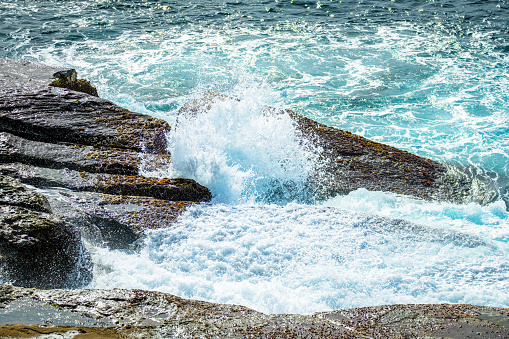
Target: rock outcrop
[(69, 79), (347, 161), (87, 156), (56, 132), (37, 248), (137, 313)]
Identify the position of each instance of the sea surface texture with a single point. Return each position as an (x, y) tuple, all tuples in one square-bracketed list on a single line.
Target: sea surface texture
[(429, 77)]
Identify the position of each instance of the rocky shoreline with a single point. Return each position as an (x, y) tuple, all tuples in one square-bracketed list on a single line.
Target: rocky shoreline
[(85, 154), (121, 313)]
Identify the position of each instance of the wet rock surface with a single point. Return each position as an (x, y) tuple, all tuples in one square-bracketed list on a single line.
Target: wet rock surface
[(31, 109), (13, 193), (177, 189), (137, 313), (75, 157), (347, 162), (41, 250), (112, 220)]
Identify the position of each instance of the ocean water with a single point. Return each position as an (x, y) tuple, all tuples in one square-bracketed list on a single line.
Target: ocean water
[(429, 77)]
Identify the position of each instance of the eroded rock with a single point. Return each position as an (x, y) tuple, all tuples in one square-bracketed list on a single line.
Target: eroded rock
[(77, 157), (31, 109), (69, 79), (57, 135), (177, 189), (112, 220), (13, 193)]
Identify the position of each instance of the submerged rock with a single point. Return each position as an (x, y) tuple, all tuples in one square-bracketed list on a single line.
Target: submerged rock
[(137, 313), (347, 162)]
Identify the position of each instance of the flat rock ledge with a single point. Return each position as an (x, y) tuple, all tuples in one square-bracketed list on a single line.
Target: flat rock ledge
[(119, 313)]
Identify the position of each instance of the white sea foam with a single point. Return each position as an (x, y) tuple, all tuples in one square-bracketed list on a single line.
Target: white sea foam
[(240, 152), (440, 95), (490, 221), (302, 259)]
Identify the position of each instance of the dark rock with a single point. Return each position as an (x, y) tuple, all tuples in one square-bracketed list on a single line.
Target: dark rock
[(77, 157), (88, 152), (13, 193), (137, 313), (112, 220), (58, 115), (41, 250), (347, 162), (132, 185), (31, 109)]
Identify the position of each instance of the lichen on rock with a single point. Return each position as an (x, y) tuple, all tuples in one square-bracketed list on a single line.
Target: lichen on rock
[(68, 79)]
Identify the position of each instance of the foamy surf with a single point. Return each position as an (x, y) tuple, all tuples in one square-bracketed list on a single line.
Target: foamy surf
[(303, 259)]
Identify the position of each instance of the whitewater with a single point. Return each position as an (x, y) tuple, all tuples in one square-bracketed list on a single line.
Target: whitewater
[(428, 77)]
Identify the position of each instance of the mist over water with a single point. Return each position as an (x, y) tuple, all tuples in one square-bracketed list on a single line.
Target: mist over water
[(428, 77)]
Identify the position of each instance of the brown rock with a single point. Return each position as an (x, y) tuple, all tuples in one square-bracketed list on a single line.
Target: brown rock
[(138, 313), (13, 193), (77, 157), (31, 109), (177, 189)]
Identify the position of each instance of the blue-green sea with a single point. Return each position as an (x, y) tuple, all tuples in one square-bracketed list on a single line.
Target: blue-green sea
[(429, 77)]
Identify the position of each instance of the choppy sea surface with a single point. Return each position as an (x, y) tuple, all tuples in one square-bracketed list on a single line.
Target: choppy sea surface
[(430, 77)]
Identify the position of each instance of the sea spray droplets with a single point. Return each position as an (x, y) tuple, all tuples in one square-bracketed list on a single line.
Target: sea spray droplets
[(241, 151)]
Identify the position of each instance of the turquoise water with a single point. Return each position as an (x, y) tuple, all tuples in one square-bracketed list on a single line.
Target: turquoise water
[(430, 77)]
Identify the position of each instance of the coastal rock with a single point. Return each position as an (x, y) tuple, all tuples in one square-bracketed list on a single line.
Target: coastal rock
[(77, 157), (37, 248), (177, 189), (13, 193), (347, 162), (41, 250), (31, 109), (59, 115), (138, 313), (69, 79), (57, 135), (112, 220)]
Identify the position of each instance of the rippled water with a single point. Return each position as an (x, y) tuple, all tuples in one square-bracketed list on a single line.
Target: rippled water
[(430, 77)]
